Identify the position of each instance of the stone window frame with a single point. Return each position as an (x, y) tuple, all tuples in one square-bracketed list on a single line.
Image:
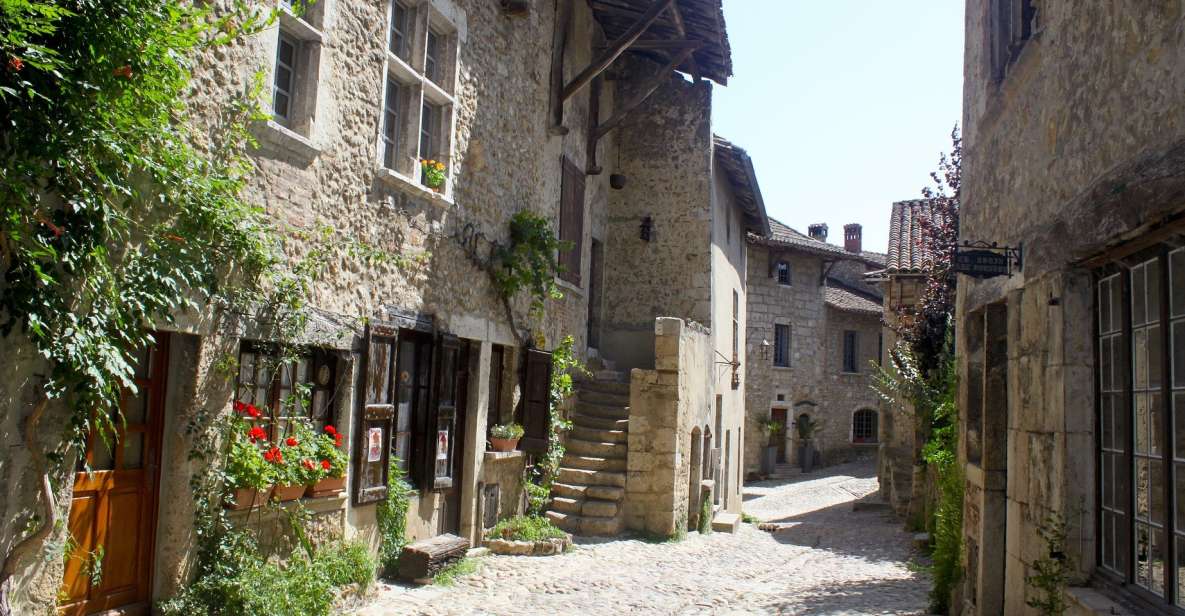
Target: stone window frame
[(854, 353), (788, 360), (1005, 40), (296, 131), (872, 425), (1122, 318), (418, 92), (781, 267)]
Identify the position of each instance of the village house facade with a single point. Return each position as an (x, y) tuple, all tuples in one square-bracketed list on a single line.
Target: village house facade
[(814, 334), (413, 358), (1070, 369)]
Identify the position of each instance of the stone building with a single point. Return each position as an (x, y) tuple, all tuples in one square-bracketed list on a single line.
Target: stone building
[(815, 330), (1070, 369), (414, 358)]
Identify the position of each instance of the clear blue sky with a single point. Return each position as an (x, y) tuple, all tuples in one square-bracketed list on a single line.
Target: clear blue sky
[(844, 105)]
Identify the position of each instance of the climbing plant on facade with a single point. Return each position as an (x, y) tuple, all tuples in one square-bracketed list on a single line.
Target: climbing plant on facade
[(529, 262), (542, 475)]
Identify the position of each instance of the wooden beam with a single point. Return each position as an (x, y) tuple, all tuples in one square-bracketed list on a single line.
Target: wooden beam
[(594, 117), (682, 30), (618, 11), (615, 49), (644, 93), (664, 44), (559, 37)]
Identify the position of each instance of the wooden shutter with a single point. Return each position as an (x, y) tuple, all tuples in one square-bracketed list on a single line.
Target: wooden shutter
[(377, 409), (440, 430), (536, 401), (571, 221)]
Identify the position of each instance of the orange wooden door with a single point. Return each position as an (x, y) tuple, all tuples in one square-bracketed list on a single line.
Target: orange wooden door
[(113, 511)]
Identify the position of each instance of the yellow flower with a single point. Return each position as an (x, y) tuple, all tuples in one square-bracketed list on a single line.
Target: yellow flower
[(440, 166)]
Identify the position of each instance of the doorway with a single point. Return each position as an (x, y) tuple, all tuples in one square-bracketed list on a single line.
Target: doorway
[(113, 511), (778, 437), (596, 264)]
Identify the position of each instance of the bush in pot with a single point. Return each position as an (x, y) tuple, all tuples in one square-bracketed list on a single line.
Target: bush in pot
[(250, 476), (504, 437), (328, 464), (290, 474)]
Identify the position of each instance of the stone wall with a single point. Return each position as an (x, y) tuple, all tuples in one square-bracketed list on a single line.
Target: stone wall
[(666, 404), (1076, 150)]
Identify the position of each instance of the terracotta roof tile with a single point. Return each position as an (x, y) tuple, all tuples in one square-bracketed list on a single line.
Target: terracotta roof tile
[(906, 254), (842, 299)]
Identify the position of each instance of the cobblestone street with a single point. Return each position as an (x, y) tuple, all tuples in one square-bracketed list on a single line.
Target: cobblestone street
[(826, 559)]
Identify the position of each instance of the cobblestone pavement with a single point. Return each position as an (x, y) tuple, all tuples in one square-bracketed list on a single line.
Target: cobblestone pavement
[(825, 559)]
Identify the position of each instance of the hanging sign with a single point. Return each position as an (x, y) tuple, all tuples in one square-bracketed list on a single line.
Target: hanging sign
[(983, 260)]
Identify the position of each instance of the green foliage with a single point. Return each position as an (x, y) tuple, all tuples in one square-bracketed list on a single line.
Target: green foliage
[(526, 528), (529, 261), (450, 574), (433, 172), (391, 516), (1052, 571), (328, 448), (245, 466), (705, 517), (347, 563), (748, 518), (540, 477), (807, 426), (507, 431)]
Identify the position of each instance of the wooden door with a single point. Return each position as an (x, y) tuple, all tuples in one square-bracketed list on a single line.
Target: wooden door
[(779, 437), (113, 511)]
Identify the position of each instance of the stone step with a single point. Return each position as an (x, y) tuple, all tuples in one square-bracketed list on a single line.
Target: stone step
[(600, 423), (609, 411), (726, 522), (586, 477), (608, 493), (593, 463), (582, 447), (598, 435), (599, 508), (587, 525), (567, 505), (603, 397)]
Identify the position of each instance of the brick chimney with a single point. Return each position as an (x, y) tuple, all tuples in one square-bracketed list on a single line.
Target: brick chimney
[(818, 231), (852, 237)]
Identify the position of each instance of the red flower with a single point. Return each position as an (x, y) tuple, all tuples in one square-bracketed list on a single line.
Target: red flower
[(240, 407), (252, 411), (330, 430), (290, 441), (15, 64), (124, 71), (274, 455), (325, 464), (307, 463), (337, 440), (256, 434)]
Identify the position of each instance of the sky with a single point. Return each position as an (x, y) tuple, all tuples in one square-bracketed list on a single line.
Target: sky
[(843, 105)]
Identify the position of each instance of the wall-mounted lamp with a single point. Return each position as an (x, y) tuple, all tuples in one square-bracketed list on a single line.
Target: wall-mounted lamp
[(647, 228), (765, 347)]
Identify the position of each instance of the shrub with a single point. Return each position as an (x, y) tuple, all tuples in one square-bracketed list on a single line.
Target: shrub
[(507, 431), (526, 528), (392, 519), (449, 575), (245, 466), (347, 563)]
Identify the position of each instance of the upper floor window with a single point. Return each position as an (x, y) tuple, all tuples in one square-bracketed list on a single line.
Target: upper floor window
[(783, 271), (1011, 25), (851, 347), (782, 345), (418, 101), (283, 85), (571, 221), (296, 67)]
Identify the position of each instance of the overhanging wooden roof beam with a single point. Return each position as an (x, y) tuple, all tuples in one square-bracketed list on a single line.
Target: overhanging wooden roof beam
[(682, 30), (616, 48), (663, 44), (644, 93), (559, 37)]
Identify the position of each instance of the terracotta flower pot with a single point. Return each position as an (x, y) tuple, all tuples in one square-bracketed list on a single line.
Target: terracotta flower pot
[(247, 498), (326, 487), (504, 444), (287, 493)]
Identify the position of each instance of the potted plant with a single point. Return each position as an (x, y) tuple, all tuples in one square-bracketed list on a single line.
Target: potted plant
[(290, 474), (248, 474), (328, 465), (504, 437), (806, 447), (433, 174), (776, 431)]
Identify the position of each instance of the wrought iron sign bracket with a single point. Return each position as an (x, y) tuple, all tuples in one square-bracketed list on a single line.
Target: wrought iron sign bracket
[(987, 260)]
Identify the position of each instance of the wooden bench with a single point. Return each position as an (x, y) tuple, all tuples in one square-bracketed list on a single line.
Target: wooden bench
[(422, 560)]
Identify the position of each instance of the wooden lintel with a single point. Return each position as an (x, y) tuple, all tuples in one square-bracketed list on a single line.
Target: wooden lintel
[(643, 93), (594, 118), (558, 41), (615, 49), (677, 17), (618, 11)]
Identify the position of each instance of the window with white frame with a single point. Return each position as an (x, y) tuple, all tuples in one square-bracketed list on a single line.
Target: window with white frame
[(296, 67), (284, 82), (418, 97)]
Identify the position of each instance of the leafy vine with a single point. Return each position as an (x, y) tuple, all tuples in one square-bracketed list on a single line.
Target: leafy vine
[(529, 261), (539, 478)]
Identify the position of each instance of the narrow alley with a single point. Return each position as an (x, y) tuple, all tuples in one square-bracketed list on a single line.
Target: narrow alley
[(824, 558)]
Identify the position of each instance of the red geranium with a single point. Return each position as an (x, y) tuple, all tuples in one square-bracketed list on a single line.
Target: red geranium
[(256, 434), (330, 430), (325, 464), (274, 455), (124, 71), (291, 441), (337, 440), (307, 463), (240, 407), (15, 64)]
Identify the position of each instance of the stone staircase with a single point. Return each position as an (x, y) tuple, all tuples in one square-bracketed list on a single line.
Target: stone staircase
[(587, 496)]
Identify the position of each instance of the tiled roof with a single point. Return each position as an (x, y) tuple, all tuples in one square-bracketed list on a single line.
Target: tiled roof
[(782, 235), (703, 21), (877, 258), (841, 298), (739, 169), (906, 253)]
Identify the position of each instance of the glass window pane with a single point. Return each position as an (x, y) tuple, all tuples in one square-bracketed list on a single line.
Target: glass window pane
[(1122, 484), (1140, 358), (133, 450), (1105, 364), (1138, 298), (1156, 561), (1156, 423), (1155, 360), (1152, 285), (1142, 489), (379, 385), (1156, 491), (1180, 570), (246, 368), (1108, 539), (1141, 401), (1178, 358), (1180, 496), (1143, 555), (103, 460), (1177, 280), (135, 408), (1179, 424)]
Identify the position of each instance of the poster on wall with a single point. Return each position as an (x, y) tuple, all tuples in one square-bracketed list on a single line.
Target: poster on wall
[(375, 439), (442, 445)]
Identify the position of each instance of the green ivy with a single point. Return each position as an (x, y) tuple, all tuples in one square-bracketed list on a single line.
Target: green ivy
[(391, 516), (1052, 571), (541, 476), (529, 261)]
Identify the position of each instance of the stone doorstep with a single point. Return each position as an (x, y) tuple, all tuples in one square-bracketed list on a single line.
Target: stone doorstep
[(600, 423), (593, 448), (606, 493), (586, 477), (594, 463), (599, 435), (587, 525), (725, 522)]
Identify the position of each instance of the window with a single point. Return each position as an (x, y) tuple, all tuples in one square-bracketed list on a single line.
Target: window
[(782, 345), (783, 269), (418, 103), (864, 426), (284, 83), (273, 386), (391, 123), (851, 344), (571, 221), (1141, 385), (1011, 25)]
